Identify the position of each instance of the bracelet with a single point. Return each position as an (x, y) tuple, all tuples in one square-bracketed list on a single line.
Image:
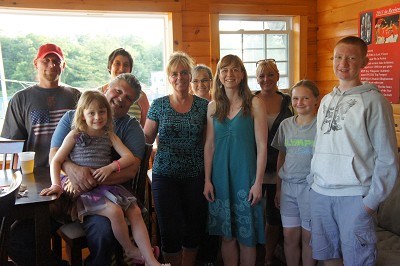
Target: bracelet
[(119, 167)]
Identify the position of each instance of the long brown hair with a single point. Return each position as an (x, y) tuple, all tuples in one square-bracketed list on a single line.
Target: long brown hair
[(219, 95), (84, 101)]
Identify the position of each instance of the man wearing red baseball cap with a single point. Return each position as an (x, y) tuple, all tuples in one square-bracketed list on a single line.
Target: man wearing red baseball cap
[(49, 48), (33, 114)]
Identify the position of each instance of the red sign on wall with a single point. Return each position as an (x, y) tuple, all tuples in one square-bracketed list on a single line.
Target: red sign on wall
[(380, 30)]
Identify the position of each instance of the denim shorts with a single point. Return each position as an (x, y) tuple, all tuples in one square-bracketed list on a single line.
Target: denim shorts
[(341, 228), (295, 205)]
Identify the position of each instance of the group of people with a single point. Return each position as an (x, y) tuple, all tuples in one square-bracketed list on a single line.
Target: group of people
[(220, 148)]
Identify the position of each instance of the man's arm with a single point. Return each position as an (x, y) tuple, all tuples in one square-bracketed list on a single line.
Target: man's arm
[(131, 134), (382, 134)]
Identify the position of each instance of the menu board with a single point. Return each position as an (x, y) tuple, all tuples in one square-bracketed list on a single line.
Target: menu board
[(379, 28)]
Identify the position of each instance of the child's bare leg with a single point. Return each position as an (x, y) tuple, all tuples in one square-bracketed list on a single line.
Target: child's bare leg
[(120, 229), (140, 234), (306, 248), (291, 240)]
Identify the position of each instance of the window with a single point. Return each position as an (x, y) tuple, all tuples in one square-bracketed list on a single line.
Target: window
[(86, 39), (253, 39)]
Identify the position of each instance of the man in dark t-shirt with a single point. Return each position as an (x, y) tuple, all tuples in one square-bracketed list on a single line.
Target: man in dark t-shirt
[(32, 115)]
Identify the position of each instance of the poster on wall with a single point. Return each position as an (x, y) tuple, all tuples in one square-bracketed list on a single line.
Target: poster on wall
[(379, 28)]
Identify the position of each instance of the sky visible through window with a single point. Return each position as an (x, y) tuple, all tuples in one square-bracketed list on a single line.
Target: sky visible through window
[(151, 28), (70, 23)]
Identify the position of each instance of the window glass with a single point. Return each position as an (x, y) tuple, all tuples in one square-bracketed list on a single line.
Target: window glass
[(276, 25), (253, 41), (87, 40), (277, 41), (255, 38), (229, 41)]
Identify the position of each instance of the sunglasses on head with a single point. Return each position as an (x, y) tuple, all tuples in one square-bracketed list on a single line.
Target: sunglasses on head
[(266, 60)]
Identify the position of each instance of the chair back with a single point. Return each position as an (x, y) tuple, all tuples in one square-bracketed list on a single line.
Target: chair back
[(7, 201), (12, 148), (7, 198), (139, 183)]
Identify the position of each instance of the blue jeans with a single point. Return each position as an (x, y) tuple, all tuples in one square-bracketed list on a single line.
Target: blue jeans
[(100, 239), (181, 211)]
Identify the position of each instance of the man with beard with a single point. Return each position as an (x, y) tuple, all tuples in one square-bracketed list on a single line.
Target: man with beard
[(32, 115)]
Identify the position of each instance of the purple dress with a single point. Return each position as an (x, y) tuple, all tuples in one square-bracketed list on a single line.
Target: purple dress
[(95, 152)]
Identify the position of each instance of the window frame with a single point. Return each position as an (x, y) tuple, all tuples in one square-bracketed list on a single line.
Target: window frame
[(288, 32)]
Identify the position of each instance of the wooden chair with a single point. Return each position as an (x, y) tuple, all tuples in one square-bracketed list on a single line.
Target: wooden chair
[(10, 147), (73, 233), (7, 201)]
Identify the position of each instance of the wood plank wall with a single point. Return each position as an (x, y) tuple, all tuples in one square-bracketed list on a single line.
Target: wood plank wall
[(194, 22), (337, 19)]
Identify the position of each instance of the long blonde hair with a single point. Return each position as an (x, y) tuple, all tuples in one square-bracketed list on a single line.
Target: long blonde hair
[(84, 102), (219, 95)]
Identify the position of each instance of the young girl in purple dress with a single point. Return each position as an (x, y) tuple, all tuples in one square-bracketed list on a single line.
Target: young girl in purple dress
[(89, 144)]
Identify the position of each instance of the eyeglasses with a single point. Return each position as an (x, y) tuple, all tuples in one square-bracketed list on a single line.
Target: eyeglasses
[(266, 60), (196, 81)]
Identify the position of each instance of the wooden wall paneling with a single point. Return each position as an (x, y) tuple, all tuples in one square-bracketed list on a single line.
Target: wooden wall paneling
[(96, 5), (261, 2), (396, 108), (300, 33), (325, 60), (397, 122), (196, 49), (325, 46), (195, 30), (325, 73), (191, 18), (196, 34), (214, 38), (267, 9), (326, 5), (198, 5), (341, 29), (325, 87), (396, 112), (348, 12), (339, 15), (203, 60), (175, 24)]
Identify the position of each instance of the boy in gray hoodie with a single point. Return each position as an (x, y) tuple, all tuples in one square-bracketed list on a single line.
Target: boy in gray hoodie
[(355, 162)]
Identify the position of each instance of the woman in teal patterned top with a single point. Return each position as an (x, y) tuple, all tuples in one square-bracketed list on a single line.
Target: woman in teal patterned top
[(235, 155), (179, 120)]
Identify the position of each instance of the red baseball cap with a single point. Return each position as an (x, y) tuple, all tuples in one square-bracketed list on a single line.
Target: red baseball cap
[(49, 48)]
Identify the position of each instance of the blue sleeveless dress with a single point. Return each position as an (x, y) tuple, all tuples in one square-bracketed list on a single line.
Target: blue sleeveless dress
[(233, 174)]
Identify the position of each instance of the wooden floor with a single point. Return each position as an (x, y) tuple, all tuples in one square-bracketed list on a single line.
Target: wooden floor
[(260, 257)]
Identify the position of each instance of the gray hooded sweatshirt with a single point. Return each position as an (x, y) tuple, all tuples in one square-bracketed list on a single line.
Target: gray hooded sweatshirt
[(355, 146)]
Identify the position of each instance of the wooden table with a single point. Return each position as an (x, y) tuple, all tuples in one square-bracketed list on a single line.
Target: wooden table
[(34, 207)]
